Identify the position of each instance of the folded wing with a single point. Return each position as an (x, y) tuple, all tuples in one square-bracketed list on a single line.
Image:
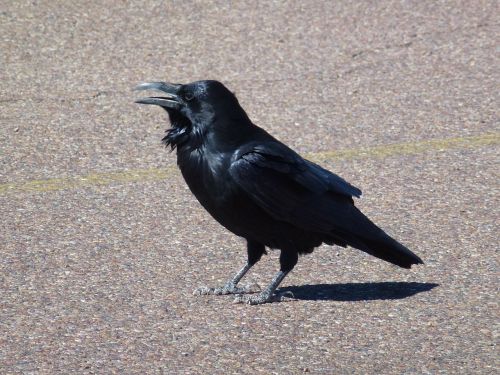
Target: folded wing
[(295, 190)]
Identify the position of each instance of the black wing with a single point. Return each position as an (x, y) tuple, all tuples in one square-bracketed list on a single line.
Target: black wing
[(290, 188), (302, 193)]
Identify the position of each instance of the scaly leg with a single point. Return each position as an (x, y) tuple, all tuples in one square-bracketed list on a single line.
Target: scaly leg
[(255, 251), (288, 259), (267, 295), (230, 287)]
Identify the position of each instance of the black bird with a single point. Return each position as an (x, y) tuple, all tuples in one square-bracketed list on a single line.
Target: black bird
[(260, 189)]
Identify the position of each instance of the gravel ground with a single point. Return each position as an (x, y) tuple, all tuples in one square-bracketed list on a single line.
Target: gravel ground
[(96, 277)]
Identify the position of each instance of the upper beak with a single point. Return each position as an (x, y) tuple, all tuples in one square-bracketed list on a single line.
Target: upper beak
[(170, 100)]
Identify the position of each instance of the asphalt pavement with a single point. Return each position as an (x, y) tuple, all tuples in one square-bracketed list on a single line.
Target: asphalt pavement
[(102, 244)]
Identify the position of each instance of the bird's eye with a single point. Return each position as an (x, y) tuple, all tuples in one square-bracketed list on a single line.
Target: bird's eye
[(188, 96)]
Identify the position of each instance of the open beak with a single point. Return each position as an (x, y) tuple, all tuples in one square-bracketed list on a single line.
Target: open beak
[(169, 100)]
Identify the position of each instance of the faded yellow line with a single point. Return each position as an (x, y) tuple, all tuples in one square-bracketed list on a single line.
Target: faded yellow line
[(409, 148), (94, 179), (154, 174)]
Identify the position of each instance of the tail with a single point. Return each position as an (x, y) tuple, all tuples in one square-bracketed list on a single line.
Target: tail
[(364, 235), (387, 248)]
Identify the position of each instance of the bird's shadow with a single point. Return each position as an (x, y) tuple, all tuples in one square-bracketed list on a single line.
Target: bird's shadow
[(357, 291)]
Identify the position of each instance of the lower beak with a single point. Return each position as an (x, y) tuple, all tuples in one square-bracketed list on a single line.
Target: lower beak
[(170, 100)]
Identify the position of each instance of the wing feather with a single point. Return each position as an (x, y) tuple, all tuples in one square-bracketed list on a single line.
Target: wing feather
[(292, 189)]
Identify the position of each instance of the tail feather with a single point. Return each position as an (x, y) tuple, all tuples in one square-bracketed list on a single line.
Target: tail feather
[(388, 249), (367, 237)]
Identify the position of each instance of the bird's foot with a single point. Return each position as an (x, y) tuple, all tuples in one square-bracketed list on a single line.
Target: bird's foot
[(227, 289), (264, 298)]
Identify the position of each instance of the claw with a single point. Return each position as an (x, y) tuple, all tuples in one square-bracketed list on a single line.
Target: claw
[(226, 289), (288, 295), (204, 290), (264, 298)]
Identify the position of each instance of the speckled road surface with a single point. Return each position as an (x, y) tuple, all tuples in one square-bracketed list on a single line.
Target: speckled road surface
[(102, 244)]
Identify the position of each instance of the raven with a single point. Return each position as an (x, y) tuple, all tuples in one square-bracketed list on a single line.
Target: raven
[(260, 189)]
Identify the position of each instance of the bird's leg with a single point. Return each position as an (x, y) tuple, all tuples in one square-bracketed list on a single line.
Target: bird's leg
[(288, 259), (267, 295), (230, 287), (255, 252)]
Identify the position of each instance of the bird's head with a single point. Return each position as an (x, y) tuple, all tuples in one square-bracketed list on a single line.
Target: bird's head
[(195, 109)]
